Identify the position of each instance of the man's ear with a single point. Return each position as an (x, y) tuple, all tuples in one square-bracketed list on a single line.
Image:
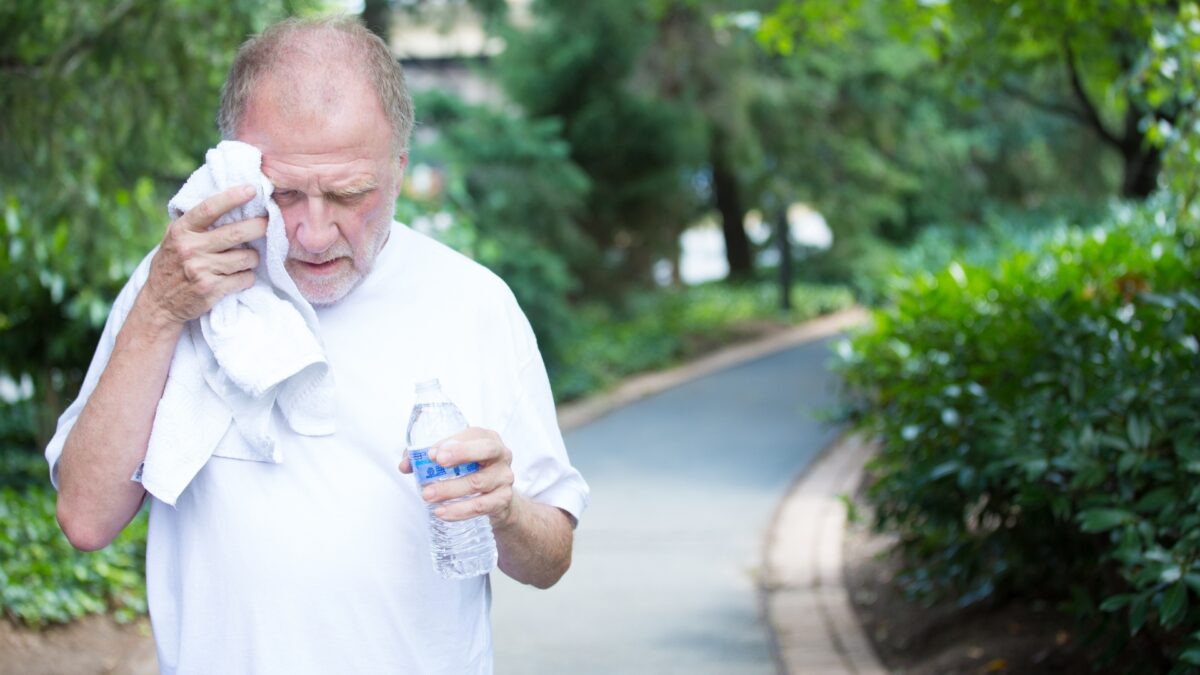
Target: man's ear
[(401, 165)]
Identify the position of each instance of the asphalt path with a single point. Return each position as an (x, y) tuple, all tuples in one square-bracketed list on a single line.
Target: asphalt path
[(684, 485)]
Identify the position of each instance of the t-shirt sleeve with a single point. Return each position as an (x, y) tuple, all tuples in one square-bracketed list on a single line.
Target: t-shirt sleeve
[(104, 349), (541, 466)]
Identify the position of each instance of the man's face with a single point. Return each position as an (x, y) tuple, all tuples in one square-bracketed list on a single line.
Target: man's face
[(335, 179)]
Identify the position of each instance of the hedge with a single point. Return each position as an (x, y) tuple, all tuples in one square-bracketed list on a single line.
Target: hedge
[(1039, 430)]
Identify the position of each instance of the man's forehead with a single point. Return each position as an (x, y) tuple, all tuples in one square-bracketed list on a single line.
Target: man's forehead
[(326, 177), (317, 90)]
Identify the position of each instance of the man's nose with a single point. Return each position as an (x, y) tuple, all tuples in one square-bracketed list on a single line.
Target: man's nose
[(318, 231)]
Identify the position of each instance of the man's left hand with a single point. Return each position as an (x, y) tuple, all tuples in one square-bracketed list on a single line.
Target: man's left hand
[(491, 484)]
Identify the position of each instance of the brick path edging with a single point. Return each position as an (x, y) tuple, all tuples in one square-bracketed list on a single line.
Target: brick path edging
[(807, 605)]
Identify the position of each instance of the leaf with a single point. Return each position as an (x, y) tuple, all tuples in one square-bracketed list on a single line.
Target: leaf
[(1139, 432), (1155, 500), (1115, 602), (1174, 605), (1170, 574), (1102, 520), (1137, 614), (1034, 468), (1164, 301), (1193, 579), (944, 469), (1114, 442)]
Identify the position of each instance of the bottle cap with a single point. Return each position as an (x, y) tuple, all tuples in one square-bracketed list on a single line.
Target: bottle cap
[(428, 385)]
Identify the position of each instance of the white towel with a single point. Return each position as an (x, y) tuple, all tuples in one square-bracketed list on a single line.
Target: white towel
[(255, 350)]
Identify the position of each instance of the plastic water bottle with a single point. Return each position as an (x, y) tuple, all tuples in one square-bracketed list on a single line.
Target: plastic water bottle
[(461, 549)]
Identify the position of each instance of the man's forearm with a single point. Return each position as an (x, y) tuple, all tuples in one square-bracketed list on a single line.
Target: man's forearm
[(96, 498), (534, 544)]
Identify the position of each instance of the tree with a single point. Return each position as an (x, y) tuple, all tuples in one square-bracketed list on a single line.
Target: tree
[(105, 108), (377, 16), (698, 63), (859, 117), (512, 198), (578, 64), (1079, 60)]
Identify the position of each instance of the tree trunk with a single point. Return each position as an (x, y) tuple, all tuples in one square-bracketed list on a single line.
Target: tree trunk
[(728, 196), (1143, 162), (377, 16), (784, 242)]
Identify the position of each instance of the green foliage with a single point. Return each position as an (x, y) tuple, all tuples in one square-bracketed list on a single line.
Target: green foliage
[(104, 108), (1172, 73), (655, 330), (578, 64), (885, 140), (1002, 233), (1038, 424), (1080, 60), (510, 200), (43, 579)]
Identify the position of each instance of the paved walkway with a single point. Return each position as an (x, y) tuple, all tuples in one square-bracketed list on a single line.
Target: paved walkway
[(687, 483)]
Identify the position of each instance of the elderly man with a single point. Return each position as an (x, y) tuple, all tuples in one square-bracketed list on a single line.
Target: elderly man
[(320, 564)]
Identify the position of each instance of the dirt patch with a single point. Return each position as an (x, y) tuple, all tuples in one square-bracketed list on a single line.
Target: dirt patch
[(1029, 638), (95, 645)]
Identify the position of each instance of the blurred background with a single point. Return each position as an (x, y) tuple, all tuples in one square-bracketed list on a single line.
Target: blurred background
[(653, 179)]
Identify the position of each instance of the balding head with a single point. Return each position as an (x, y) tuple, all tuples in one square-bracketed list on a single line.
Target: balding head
[(307, 67)]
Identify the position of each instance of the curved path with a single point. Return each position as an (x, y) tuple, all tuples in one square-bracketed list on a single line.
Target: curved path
[(666, 577)]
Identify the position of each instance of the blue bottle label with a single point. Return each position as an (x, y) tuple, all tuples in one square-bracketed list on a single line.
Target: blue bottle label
[(428, 471)]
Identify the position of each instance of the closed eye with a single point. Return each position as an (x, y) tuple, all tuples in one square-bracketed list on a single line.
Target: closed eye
[(286, 196), (349, 197)]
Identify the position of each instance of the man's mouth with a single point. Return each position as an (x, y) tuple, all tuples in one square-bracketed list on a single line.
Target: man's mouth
[(319, 267)]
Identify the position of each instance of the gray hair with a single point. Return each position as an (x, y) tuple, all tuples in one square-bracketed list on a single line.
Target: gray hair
[(283, 43)]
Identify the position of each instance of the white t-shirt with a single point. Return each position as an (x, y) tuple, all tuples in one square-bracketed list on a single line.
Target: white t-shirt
[(321, 564)]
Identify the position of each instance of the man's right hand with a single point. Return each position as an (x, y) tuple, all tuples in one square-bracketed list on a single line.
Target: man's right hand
[(195, 267)]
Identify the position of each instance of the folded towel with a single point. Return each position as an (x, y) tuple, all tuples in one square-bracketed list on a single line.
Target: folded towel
[(254, 351)]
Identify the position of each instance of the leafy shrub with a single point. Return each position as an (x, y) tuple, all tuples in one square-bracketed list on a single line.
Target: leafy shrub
[(43, 579), (1039, 429), (1001, 232), (658, 329), (510, 200)]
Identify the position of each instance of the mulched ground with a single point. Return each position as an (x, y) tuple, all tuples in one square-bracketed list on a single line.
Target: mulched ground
[(1031, 638), (95, 645)]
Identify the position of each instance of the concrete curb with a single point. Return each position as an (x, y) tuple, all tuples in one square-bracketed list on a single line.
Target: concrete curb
[(579, 413), (807, 605)]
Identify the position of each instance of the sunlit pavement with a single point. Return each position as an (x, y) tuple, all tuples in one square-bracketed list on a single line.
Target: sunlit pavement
[(667, 558)]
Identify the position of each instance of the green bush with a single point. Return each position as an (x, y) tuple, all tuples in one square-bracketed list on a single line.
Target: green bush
[(1002, 231), (510, 200), (658, 329), (43, 579), (1039, 429)]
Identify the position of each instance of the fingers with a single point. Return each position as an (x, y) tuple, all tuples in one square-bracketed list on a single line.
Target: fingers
[(491, 485), (493, 504), (488, 479), (232, 283), (192, 271), (234, 261), (405, 463), (234, 235), (470, 445), (204, 214)]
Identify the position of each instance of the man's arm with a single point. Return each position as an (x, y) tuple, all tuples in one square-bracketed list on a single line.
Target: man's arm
[(192, 270), (535, 544), (533, 540)]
